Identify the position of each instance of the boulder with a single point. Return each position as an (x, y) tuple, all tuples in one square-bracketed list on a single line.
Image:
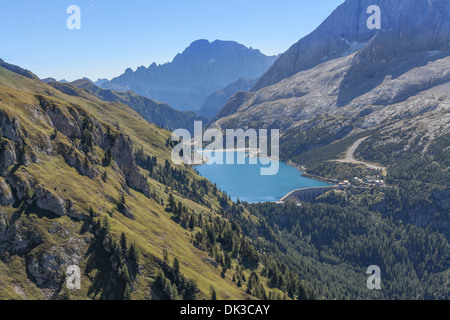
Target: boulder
[(50, 201)]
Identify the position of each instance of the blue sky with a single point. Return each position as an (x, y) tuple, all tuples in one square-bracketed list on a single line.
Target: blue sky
[(115, 35)]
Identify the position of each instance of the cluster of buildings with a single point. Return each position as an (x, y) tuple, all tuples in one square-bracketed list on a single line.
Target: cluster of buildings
[(372, 180)]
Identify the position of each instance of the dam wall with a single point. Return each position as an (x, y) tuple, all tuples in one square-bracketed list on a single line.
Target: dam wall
[(306, 194)]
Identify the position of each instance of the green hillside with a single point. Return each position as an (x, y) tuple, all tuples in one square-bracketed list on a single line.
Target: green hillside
[(153, 111), (89, 182)]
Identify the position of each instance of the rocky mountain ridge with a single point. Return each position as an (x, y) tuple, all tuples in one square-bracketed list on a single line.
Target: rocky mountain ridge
[(215, 101), (153, 111), (197, 72), (398, 74), (340, 84), (406, 27)]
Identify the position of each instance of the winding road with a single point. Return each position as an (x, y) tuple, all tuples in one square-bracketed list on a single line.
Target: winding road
[(349, 156)]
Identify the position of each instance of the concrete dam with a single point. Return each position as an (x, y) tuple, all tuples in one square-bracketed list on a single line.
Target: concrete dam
[(306, 195)]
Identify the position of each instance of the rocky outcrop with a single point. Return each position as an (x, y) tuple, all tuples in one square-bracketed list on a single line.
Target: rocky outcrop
[(126, 211), (9, 127), (73, 123), (50, 201), (306, 195), (66, 120), (3, 228), (46, 268), (17, 237), (75, 159), (21, 184), (8, 155), (122, 153), (6, 196)]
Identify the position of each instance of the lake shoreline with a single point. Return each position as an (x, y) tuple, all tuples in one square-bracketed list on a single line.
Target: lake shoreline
[(251, 153), (304, 173), (248, 185)]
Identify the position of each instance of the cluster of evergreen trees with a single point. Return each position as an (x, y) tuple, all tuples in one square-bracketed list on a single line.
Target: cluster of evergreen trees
[(116, 263), (176, 179), (87, 140), (225, 242), (332, 244), (170, 283)]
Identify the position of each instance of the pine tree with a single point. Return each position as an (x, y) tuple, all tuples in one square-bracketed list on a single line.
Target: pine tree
[(190, 290), (171, 203), (133, 257), (165, 256), (127, 293), (108, 157), (191, 222), (176, 268), (174, 292), (122, 199), (213, 294), (178, 209), (123, 244)]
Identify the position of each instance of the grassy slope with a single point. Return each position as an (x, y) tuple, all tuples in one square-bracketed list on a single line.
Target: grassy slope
[(153, 111), (152, 230)]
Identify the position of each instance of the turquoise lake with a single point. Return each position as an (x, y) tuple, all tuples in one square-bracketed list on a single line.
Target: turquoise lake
[(245, 182)]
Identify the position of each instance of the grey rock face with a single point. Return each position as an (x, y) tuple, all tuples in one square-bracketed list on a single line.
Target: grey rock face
[(3, 227), (50, 201), (399, 72), (9, 128), (214, 102), (76, 160), (69, 122), (423, 24), (122, 153), (6, 196), (18, 185), (8, 156), (17, 238), (46, 268)]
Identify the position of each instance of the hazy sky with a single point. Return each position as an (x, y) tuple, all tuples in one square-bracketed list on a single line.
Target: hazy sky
[(115, 35)]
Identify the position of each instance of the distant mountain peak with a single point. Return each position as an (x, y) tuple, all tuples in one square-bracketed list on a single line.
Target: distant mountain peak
[(201, 69)]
